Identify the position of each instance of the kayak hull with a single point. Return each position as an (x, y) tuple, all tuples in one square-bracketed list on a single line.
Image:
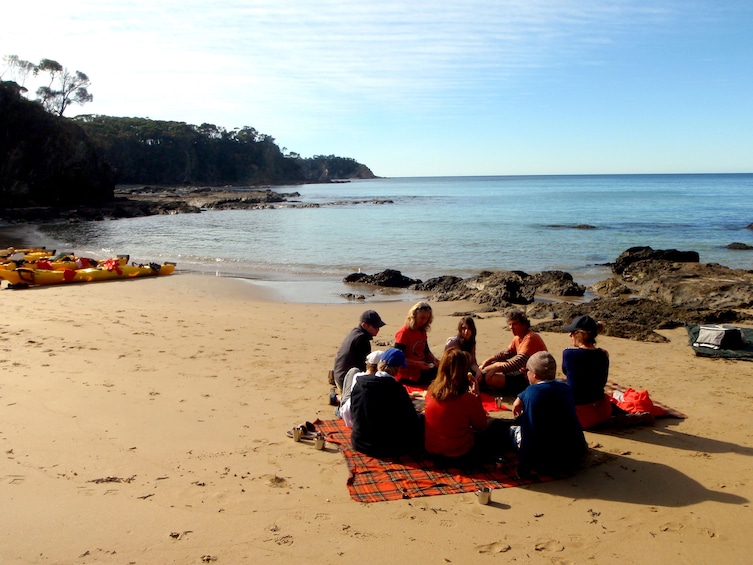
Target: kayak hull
[(25, 276)]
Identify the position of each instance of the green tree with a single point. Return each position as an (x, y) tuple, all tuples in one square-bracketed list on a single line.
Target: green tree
[(18, 69), (64, 87)]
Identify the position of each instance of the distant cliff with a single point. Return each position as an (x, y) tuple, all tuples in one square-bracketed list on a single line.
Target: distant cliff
[(146, 151), (54, 162)]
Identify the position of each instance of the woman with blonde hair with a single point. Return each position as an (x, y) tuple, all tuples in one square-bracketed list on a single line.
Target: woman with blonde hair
[(412, 339), (458, 431)]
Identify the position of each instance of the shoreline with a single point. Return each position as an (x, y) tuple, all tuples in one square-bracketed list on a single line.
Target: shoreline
[(297, 287)]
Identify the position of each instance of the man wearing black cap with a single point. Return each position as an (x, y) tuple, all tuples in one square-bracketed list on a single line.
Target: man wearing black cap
[(356, 346)]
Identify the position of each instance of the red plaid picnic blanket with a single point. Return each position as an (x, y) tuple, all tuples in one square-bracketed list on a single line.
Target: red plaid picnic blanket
[(377, 480), (489, 402)]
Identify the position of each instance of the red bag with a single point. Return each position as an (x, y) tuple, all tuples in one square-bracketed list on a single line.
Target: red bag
[(634, 401)]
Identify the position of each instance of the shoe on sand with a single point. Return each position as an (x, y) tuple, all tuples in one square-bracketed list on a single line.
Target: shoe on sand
[(633, 419)]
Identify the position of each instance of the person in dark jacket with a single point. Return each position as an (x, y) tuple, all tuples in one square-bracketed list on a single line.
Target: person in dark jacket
[(356, 346), (385, 422)]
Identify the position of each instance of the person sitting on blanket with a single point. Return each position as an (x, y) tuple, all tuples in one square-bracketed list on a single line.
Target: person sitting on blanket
[(413, 340), (355, 347), (466, 340), (385, 422), (505, 370), (351, 377), (458, 431), (548, 436), (587, 370)]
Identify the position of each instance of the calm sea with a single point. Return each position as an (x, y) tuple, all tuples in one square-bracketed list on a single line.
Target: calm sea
[(439, 225)]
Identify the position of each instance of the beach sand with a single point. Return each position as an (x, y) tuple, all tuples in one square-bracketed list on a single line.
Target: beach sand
[(143, 422)]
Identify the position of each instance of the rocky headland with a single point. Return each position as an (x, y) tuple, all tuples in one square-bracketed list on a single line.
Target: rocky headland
[(137, 201), (649, 290)]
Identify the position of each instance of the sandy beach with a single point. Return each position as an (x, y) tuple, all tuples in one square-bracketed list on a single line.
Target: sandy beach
[(143, 422)]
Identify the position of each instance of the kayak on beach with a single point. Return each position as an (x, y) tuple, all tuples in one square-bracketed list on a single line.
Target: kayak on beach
[(28, 254), (58, 262), (111, 269)]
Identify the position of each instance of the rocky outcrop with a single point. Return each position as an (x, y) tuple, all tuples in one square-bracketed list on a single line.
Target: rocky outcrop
[(652, 289), (632, 318), (388, 278), (691, 285), (635, 254), (491, 289)]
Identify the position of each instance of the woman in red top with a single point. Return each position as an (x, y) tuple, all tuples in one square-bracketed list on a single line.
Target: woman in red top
[(458, 431), (412, 340)]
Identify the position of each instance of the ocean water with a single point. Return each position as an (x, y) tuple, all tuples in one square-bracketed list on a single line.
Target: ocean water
[(438, 226)]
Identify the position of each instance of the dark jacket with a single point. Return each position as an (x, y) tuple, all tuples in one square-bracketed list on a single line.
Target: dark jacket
[(352, 353), (385, 422), (552, 440)]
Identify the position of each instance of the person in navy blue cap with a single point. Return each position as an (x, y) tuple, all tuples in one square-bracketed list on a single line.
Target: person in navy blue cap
[(356, 346), (385, 422)]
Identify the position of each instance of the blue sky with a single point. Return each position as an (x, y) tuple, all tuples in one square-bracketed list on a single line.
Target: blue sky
[(423, 88)]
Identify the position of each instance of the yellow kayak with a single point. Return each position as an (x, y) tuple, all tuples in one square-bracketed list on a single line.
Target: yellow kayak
[(58, 263), (108, 270), (29, 254)]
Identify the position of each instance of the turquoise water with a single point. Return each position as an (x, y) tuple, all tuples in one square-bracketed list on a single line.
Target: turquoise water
[(443, 225)]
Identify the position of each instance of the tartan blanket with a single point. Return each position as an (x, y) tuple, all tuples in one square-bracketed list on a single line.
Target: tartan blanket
[(489, 402), (378, 480)]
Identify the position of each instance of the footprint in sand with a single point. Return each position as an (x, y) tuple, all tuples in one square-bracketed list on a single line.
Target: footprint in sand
[(549, 545), (671, 527), (494, 547), (276, 482)]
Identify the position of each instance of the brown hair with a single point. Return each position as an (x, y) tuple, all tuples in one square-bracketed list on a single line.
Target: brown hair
[(518, 316), (470, 343), (452, 375)]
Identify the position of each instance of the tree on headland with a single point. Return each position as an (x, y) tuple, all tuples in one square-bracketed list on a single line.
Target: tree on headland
[(62, 89), (47, 160)]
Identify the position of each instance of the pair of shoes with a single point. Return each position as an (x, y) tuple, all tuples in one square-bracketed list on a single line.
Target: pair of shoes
[(333, 400), (308, 431)]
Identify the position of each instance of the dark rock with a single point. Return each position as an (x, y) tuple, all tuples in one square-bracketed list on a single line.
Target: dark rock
[(693, 285), (738, 245), (355, 278), (388, 278), (438, 284), (573, 227), (633, 318), (610, 287), (558, 283), (496, 289), (647, 253)]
